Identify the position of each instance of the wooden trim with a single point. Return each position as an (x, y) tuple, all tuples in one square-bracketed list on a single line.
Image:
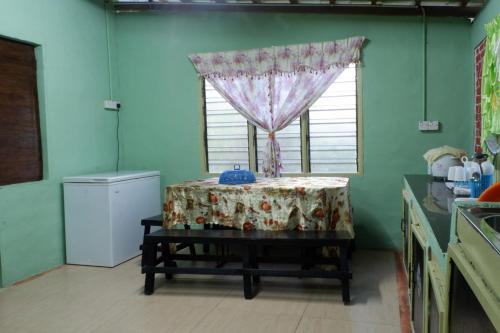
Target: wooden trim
[(404, 308), (359, 120), (252, 147), (187, 5), (204, 143), (305, 146)]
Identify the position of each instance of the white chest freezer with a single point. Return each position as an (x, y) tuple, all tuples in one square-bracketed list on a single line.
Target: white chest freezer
[(103, 214)]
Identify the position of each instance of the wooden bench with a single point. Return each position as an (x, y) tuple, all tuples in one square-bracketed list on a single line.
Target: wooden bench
[(157, 221), (249, 242)]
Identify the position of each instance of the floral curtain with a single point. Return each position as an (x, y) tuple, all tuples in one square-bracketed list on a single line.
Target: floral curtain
[(271, 87), (490, 96)]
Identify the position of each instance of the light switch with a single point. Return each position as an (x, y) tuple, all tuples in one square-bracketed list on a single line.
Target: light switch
[(112, 105), (428, 125)]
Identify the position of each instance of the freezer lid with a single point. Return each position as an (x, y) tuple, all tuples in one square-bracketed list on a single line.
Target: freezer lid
[(111, 177)]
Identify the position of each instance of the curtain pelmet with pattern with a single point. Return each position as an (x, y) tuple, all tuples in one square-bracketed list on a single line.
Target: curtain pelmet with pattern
[(271, 87)]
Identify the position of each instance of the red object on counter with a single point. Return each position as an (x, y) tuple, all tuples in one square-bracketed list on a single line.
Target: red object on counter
[(491, 194)]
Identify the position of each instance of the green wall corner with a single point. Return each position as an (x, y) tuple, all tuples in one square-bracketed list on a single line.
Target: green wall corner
[(78, 136)]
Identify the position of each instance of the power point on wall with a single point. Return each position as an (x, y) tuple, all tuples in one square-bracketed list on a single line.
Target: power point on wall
[(428, 125), (112, 105)]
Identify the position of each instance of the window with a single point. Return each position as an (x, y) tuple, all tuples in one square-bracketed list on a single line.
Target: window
[(323, 140), (20, 147)]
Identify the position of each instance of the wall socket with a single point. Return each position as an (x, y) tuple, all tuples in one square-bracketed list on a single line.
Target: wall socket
[(428, 125), (112, 105)]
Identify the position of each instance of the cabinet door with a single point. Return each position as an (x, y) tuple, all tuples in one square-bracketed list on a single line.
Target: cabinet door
[(417, 281), (466, 313), (405, 230), (436, 316)]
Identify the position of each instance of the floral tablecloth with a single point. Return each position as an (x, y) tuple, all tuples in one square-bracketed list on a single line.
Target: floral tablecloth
[(286, 203)]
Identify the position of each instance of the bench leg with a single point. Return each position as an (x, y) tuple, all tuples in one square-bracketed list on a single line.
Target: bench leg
[(307, 257), (344, 269), (149, 259), (147, 230), (254, 263), (206, 247), (167, 262), (247, 277), (192, 249), (352, 248)]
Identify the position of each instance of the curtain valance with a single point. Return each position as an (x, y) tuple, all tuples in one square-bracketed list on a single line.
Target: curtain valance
[(290, 79), (315, 57)]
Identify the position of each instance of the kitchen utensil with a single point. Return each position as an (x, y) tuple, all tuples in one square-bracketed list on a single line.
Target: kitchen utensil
[(476, 176), (493, 146), (236, 176), (470, 168), (491, 194), (480, 157), (488, 168), (439, 168), (459, 174)]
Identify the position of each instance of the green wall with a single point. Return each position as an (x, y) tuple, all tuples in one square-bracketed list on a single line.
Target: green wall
[(79, 136), (160, 94)]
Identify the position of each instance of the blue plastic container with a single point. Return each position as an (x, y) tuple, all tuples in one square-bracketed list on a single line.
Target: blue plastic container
[(486, 181), (475, 188), (236, 176), (478, 187)]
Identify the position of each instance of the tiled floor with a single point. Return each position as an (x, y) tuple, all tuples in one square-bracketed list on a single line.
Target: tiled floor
[(90, 299)]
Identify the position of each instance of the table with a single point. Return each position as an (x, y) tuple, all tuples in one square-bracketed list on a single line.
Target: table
[(285, 203)]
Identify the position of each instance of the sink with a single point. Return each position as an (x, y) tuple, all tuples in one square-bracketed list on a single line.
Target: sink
[(482, 212), (490, 227), (493, 222), (486, 220)]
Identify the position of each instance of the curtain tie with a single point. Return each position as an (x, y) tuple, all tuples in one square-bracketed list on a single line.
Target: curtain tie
[(271, 135)]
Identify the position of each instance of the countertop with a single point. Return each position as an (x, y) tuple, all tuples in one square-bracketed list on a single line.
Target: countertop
[(435, 200)]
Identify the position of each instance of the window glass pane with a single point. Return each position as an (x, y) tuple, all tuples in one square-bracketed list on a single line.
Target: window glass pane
[(227, 133), (333, 128), (289, 140)]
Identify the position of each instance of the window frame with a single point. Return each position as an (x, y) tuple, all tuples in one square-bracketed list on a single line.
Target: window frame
[(304, 134)]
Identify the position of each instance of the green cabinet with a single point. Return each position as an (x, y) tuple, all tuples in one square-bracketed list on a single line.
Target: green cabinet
[(445, 257), (424, 252)]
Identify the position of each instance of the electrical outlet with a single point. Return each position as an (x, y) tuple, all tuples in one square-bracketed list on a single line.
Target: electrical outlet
[(112, 105), (428, 125)]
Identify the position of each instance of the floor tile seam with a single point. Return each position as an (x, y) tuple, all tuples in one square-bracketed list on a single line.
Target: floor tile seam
[(211, 310)]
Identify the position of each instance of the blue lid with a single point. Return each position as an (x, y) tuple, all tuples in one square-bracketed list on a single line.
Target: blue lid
[(236, 176)]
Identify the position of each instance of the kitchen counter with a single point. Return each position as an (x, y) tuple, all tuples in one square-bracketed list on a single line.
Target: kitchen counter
[(435, 200)]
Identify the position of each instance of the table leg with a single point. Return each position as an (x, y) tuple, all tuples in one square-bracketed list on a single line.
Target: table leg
[(149, 260), (344, 269), (247, 277), (254, 263)]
